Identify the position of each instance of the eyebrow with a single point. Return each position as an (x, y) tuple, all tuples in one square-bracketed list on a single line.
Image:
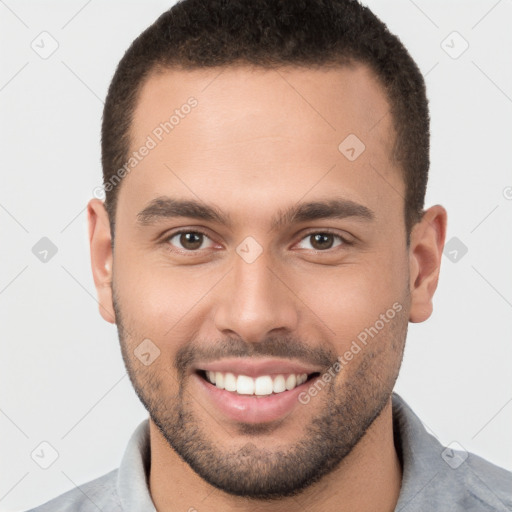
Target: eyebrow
[(165, 207)]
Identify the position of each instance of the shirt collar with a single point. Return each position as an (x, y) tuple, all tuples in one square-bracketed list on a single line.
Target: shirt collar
[(419, 453), (133, 474)]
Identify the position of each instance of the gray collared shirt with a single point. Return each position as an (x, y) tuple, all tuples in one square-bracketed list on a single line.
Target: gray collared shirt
[(435, 478)]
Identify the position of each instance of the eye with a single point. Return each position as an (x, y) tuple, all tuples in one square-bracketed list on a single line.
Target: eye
[(324, 240), (194, 241), (190, 241)]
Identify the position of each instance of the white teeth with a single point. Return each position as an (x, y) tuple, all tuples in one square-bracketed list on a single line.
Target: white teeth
[(263, 385), (279, 384), (219, 380), (291, 382), (260, 386), (229, 382), (302, 378), (245, 385)]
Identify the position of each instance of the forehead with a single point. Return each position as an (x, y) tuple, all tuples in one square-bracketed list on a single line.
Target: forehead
[(238, 99), (268, 134)]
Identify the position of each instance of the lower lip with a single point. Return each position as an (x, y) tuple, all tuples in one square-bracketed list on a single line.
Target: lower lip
[(251, 408)]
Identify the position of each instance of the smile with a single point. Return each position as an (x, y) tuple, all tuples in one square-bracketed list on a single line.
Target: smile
[(262, 385)]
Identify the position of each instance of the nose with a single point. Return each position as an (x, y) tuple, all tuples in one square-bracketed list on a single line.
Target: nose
[(256, 300)]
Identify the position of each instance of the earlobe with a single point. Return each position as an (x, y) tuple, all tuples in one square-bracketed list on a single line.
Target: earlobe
[(425, 254), (101, 256)]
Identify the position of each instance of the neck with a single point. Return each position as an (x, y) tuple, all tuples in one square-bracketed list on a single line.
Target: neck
[(368, 479)]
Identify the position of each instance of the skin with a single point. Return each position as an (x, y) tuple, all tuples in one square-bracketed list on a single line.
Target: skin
[(258, 142)]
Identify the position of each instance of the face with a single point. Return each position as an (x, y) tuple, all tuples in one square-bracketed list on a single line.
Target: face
[(253, 252)]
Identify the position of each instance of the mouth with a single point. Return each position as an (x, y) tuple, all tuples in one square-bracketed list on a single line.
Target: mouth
[(260, 386), (253, 390)]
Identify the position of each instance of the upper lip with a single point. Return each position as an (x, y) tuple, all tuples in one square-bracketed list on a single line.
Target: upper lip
[(254, 367)]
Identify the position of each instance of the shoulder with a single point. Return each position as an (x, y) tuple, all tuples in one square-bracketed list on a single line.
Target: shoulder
[(487, 486), (98, 494), (437, 477)]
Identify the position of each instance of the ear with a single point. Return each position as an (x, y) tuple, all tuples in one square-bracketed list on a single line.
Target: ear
[(101, 256), (425, 254)]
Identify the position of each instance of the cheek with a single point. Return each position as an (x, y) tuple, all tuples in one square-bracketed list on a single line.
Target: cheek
[(350, 298), (156, 299)]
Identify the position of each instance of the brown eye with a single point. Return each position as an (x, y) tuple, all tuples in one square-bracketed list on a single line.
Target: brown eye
[(323, 241), (191, 241), (187, 240)]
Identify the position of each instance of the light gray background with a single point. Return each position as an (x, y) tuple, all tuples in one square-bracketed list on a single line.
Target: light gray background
[(62, 376)]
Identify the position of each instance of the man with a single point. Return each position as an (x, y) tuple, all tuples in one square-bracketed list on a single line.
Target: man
[(261, 249)]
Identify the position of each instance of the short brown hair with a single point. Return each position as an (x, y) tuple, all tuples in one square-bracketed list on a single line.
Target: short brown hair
[(271, 33)]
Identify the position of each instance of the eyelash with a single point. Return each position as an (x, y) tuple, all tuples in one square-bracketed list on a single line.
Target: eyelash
[(166, 240)]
